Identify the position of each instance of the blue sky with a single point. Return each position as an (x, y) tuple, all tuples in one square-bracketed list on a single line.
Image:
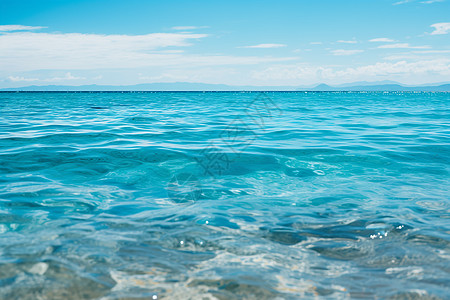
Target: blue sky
[(280, 42)]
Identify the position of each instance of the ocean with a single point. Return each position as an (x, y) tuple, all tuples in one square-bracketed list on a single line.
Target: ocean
[(227, 195)]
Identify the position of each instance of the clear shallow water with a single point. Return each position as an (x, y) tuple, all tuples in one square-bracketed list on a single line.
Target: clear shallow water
[(224, 195)]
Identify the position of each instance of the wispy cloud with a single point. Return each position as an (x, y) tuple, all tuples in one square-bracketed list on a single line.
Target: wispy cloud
[(309, 73), (431, 1), (418, 55), (188, 27), (402, 2), (4, 28), (342, 52), (21, 79), (29, 50), (422, 2), (316, 43), (26, 51), (441, 28), (265, 46), (402, 46), (382, 40), (432, 51), (347, 42), (67, 76)]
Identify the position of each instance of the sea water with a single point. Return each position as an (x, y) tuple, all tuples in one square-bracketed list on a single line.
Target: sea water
[(224, 195)]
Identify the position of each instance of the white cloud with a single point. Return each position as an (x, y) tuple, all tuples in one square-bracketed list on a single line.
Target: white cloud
[(21, 78), (383, 69), (212, 75), (422, 2), (402, 2), (400, 69), (419, 55), (431, 51), (291, 72), (431, 1), (441, 28), (316, 43), (347, 42), (265, 46), (4, 28), (188, 27), (171, 51), (402, 46), (382, 40), (26, 51), (67, 76), (342, 52)]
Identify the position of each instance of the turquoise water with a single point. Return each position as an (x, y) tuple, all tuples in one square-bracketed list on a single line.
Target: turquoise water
[(224, 195)]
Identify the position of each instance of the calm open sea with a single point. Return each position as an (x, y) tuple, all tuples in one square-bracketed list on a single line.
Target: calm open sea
[(224, 195)]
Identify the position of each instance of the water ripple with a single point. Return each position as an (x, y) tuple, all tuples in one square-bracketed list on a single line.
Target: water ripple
[(246, 195)]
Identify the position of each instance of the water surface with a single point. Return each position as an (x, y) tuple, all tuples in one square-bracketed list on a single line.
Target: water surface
[(224, 195)]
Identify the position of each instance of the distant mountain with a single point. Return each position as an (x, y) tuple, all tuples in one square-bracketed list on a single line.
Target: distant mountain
[(138, 87), (368, 83), (323, 88), (380, 88), (176, 86), (389, 86)]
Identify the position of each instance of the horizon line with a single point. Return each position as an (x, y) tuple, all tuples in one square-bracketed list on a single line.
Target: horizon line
[(233, 91)]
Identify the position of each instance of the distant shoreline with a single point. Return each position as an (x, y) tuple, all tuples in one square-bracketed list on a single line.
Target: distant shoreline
[(237, 91), (205, 87)]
